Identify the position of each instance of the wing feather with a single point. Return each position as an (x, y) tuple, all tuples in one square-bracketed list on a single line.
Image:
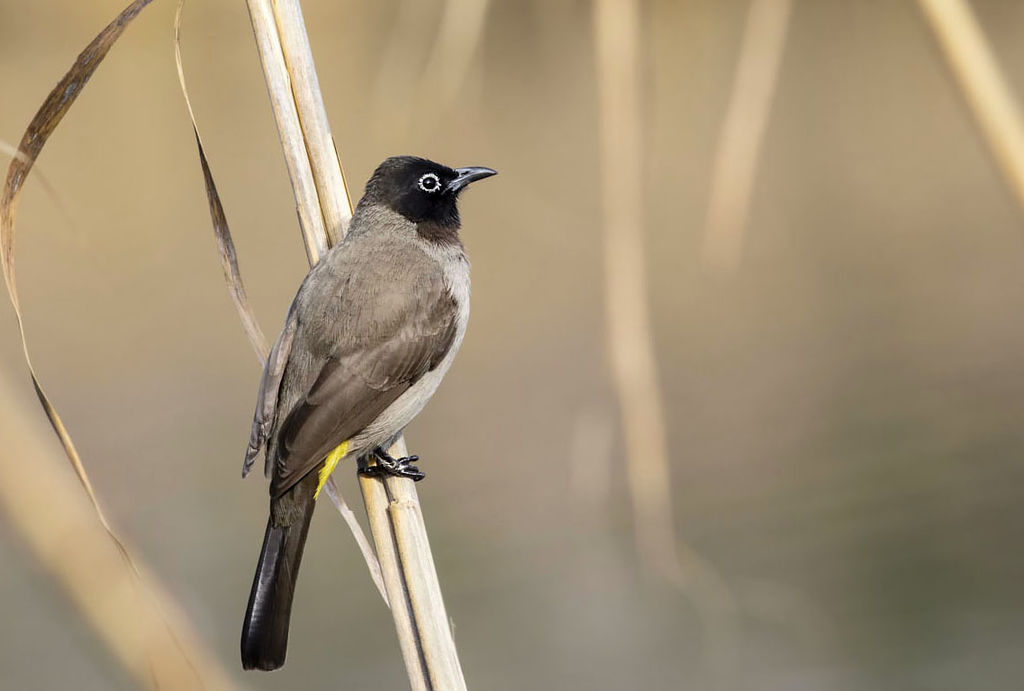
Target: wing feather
[(377, 347), (270, 384)]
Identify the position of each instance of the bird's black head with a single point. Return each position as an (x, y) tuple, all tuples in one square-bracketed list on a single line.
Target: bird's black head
[(424, 192)]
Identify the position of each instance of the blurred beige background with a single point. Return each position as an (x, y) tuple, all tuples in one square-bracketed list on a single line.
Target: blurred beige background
[(843, 412)]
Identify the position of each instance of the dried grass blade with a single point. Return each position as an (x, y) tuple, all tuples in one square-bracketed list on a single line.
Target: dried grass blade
[(43, 124), (984, 84), (39, 130), (334, 492), (44, 182), (739, 145), (233, 278), (225, 245)]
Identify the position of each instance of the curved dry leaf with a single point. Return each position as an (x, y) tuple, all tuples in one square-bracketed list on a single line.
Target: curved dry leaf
[(233, 278), (43, 124), (44, 182), (225, 245), (39, 130)]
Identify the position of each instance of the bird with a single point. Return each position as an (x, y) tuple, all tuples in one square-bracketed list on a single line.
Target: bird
[(371, 332)]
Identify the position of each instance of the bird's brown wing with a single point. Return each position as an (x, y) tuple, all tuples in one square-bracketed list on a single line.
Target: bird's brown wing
[(270, 384), (374, 363)]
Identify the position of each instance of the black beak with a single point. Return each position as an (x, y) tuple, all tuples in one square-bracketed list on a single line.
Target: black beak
[(468, 175)]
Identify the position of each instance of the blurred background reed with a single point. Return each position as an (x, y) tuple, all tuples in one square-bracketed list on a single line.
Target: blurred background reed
[(842, 409)]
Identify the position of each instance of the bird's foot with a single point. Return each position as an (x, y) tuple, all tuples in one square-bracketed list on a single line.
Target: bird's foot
[(399, 467)]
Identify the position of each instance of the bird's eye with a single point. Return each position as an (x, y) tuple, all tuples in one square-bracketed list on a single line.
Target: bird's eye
[(429, 182)]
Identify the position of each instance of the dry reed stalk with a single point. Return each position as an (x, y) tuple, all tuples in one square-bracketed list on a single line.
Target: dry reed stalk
[(983, 84), (629, 334), (396, 520), (436, 74), (289, 128), (628, 322), (739, 144), (451, 57), (397, 72), (335, 201)]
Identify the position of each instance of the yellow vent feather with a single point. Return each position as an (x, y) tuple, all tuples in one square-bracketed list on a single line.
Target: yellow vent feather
[(330, 463)]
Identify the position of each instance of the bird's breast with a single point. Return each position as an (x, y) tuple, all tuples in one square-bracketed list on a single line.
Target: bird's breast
[(455, 269)]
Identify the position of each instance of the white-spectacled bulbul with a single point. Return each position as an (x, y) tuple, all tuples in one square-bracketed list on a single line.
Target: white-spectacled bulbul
[(373, 329)]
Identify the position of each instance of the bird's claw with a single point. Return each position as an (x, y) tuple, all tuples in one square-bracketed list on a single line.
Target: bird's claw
[(398, 467)]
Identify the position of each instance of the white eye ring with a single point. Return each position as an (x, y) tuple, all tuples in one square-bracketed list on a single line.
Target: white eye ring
[(430, 179)]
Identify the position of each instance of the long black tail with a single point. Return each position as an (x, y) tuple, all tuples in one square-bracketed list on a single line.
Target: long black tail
[(265, 630)]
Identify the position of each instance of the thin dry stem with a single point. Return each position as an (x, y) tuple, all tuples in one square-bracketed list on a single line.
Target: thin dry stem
[(396, 77), (451, 57), (334, 492), (629, 331), (739, 144), (410, 577), (289, 128), (422, 586), (983, 84), (629, 334), (437, 77), (335, 201), (375, 496)]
